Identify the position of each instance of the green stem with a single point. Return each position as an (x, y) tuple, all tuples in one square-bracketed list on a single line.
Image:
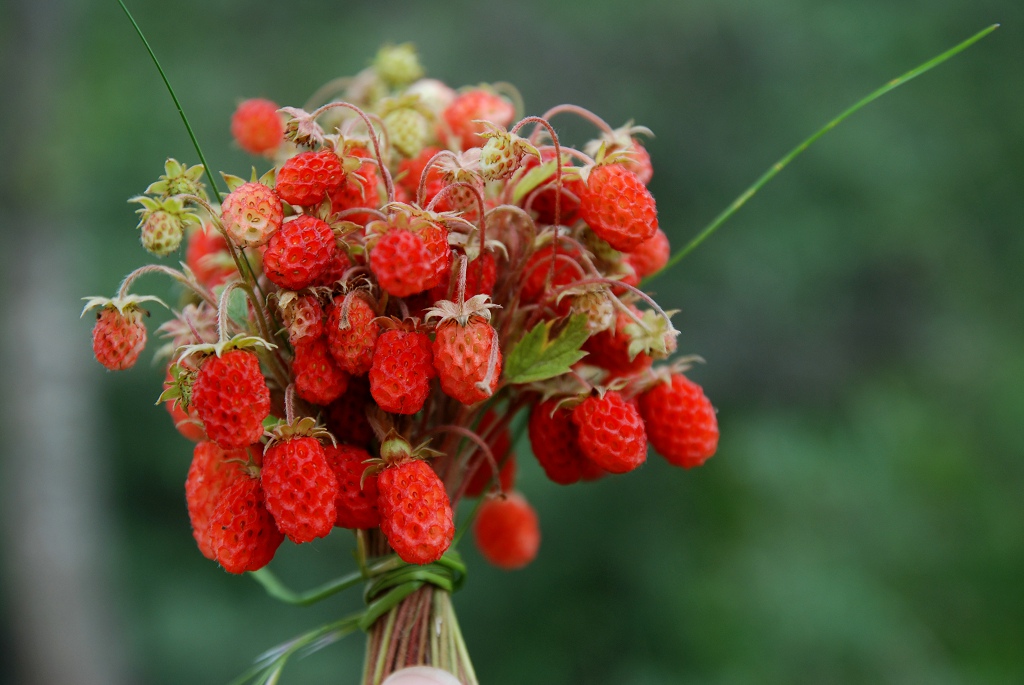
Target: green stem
[(782, 163)]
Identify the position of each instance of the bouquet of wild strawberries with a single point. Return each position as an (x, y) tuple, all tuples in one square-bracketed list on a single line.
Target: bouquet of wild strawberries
[(362, 325)]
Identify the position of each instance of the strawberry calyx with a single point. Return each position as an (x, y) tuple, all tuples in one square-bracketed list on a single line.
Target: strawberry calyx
[(301, 427), (446, 311), (178, 179), (238, 342), (125, 305)]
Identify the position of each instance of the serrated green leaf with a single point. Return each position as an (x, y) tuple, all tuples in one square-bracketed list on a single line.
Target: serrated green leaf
[(536, 358), (533, 178)]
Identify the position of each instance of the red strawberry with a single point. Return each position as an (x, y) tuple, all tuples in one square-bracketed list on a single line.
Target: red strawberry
[(610, 432), (308, 177), (406, 262), (639, 162), (231, 398), (534, 283), (463, 115), (467, 356), (410, 172), (257, 127), (346, 416), (302, 316), (618, 207), (554, 443), (299, 252), (356, 503), (609, 349), (481, 276), (681, 423), (335, 270), (251, 213), (118, 337), (507, 532), (650, 255), (187, 423), (318, 378), (401, 371), (300, 489), (415, 512), (352, 341), (208, 257), (361, 188), (210, 473), (542, 201), (242, 532)]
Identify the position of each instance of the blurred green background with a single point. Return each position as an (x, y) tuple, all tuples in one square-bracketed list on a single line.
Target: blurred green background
[(862, 320)]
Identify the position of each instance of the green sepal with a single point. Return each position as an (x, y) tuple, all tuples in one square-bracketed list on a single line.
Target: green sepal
[(238, 308), (234, 182), (538, 358)]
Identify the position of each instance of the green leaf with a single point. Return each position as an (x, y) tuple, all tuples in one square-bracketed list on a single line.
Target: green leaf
[(537, 358), (238, 307)]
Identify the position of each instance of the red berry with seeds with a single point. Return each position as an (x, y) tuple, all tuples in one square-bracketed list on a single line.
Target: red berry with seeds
[(300, 488), (357, 496), (481, 277), (609, 349), (563, 269), (308, 177), (187, 423), (610, 432), (346, 416), (302, 316), (415, 512), (212, 471), (299, 252), (361, 188), (401, 371), (507, 531), (404, 263), (118, 337), (231, 398), (251, 213), (352, 334), (463, 116), (649, 256), (257, 127), (554, 442), (318, 378), (468, 359), (242, 531), (681, 423), (618, 207), (208, 257)]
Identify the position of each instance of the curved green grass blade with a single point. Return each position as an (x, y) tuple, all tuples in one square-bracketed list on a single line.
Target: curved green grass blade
[(181, 112), (782, 163)]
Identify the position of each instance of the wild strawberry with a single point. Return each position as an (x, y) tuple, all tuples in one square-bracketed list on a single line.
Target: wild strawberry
[(186, 422), (649, 256), (346, 416), (481, 277), (503, 152), (638, 160), (299, 486), (554, 443), (541, 201), (211, 472), (461, 119), (302, 316), (410, 172), (480, 471), (118, 337), (617, 206), (361, 187), (251, 213), (398, 65), (610, 432), (242, 532), (299, 252), (162, 223), (352, 333), (410, 257), (401, 371), (415, 512), (563, 269), (407, 126), (507, 531), (335, 270), (681, 423), (231, 398), (318, 378), (257, 127), (178, 179), (357, 496), (308, 177), (208, 257), (466, 351), (610, 349)]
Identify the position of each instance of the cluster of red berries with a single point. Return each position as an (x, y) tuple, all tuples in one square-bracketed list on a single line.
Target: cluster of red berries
[(362, 324)]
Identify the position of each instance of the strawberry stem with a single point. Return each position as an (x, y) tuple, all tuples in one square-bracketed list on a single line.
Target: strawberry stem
[(795, 152)]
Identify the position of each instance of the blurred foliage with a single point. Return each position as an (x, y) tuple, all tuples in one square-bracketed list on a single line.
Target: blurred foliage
[(861, 318)]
